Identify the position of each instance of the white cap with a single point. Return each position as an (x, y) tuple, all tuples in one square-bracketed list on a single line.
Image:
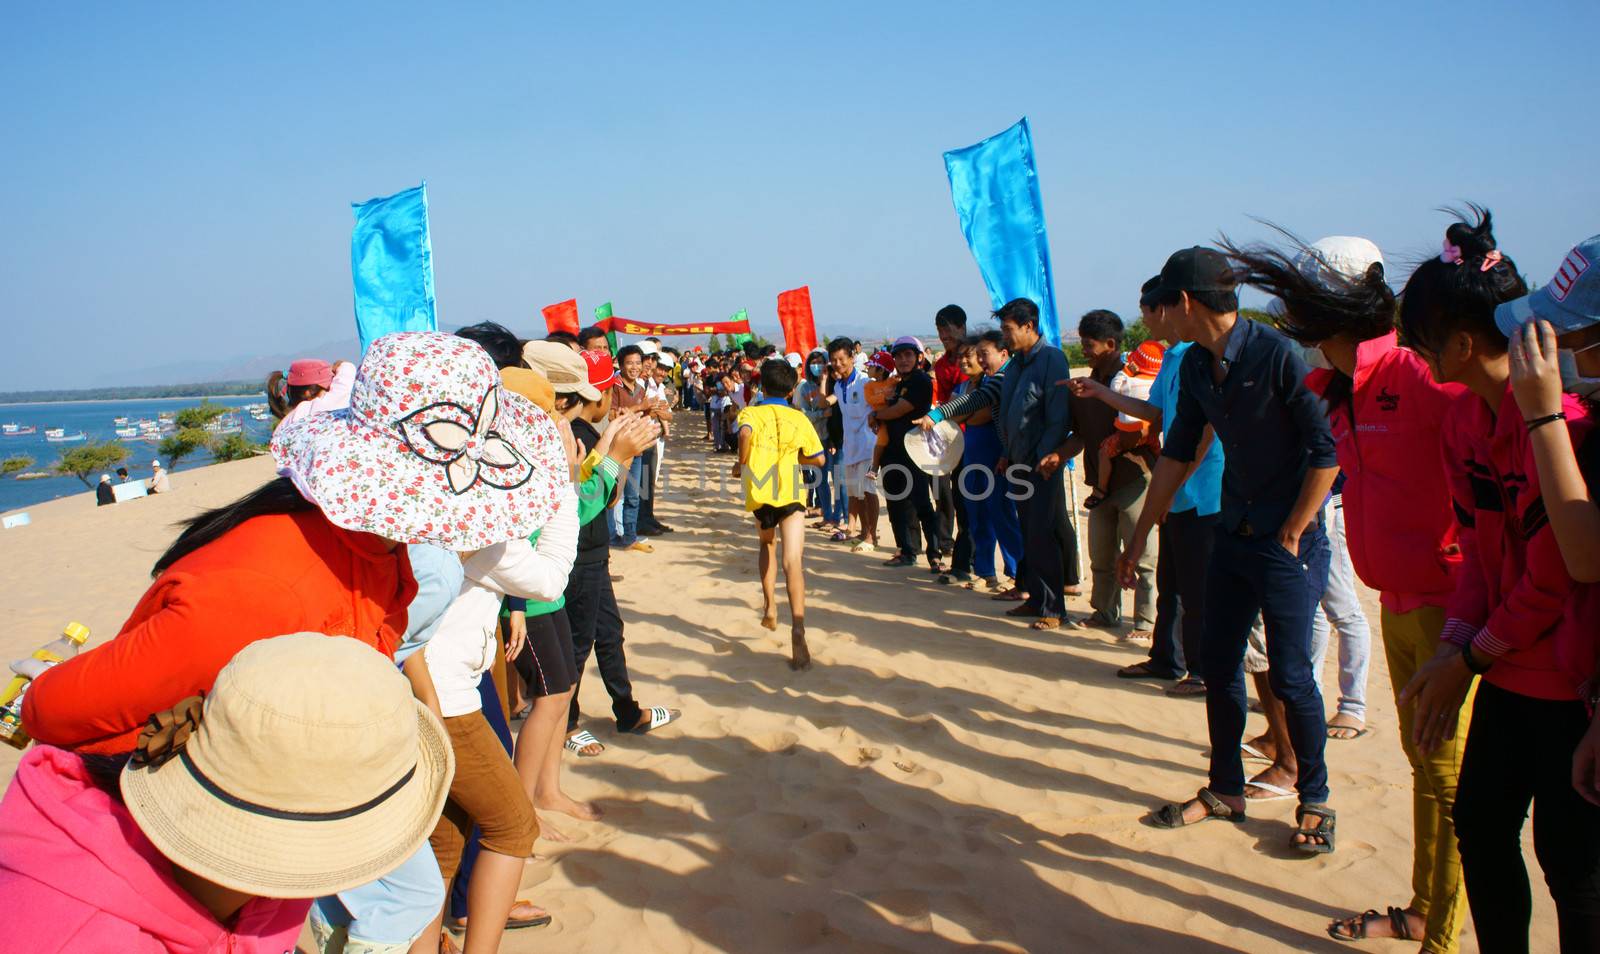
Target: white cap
[(104, 478), (155, 463), (1347, 255), (649, 347), (666, 360), (794, 359)]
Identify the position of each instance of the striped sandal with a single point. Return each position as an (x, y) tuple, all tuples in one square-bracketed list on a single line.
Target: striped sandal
[(658, 717), (584, 744)]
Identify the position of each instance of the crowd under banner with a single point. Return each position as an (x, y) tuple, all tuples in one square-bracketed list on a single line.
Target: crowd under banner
[(995, 187), (391, 265)]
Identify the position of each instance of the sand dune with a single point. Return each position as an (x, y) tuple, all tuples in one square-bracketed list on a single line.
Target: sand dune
[(943, 780)]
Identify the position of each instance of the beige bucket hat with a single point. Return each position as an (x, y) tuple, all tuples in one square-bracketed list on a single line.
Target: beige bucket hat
[(312, 770)]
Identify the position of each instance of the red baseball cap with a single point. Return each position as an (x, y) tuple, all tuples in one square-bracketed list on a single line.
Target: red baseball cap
[(602, 372), (310, 371), (883, 360)]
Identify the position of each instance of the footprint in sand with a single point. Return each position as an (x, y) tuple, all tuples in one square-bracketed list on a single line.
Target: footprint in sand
[(775, 741), (829, 847), (783, 825), (866, 754)]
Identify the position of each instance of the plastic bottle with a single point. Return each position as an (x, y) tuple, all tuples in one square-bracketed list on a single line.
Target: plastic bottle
[(57, 650)]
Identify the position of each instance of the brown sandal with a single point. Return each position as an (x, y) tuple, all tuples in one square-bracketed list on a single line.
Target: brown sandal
[(1046, 622)]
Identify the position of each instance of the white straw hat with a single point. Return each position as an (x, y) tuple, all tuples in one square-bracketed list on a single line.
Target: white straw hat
[(313, 770), (936, 452)]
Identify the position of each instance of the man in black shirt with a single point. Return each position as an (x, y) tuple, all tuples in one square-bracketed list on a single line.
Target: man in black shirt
[(905, 485), (1271, 556)]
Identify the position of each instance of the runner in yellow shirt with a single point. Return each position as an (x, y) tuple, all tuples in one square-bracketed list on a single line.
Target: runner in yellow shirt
[(775, 441)]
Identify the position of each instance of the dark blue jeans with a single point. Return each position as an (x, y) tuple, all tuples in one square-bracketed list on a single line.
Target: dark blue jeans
[(1045, 544), (633, 480), (1250, 575)]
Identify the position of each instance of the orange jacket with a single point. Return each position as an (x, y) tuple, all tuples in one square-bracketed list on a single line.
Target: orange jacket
[(269, 576)]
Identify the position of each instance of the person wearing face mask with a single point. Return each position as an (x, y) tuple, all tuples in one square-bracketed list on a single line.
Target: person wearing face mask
[(1516, 618)]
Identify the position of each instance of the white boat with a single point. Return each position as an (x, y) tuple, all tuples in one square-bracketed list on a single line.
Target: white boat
[(128, 433), (120, 421), (57, 435), (17, 430)]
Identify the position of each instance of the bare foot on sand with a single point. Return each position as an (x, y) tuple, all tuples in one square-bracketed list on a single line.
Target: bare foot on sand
[(551, 833), (769, 618), (1276, 781), (799, 652), (566, 805)]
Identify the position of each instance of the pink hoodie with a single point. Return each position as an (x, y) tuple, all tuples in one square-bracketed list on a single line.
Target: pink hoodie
[(78, 876)]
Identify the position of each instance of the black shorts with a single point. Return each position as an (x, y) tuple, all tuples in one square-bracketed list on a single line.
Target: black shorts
[(546, 662), (768, 516)]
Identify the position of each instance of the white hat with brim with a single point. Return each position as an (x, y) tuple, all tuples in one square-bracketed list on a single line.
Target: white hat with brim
[(564, 368), (431, 449), (313, 770), (936, 452)]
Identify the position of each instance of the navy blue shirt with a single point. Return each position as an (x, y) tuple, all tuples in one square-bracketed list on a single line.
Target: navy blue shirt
[(1271, 426), (1033, 417)]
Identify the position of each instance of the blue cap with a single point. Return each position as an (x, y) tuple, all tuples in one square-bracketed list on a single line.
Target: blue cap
[(1570, 301)]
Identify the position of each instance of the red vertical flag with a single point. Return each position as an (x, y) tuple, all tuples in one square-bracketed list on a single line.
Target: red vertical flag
[(794, 314), (562, 316)]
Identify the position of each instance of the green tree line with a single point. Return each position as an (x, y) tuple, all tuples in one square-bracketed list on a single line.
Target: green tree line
[(207, 389)]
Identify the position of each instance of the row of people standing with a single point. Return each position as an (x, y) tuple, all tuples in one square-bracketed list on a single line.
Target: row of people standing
[(463, 472)]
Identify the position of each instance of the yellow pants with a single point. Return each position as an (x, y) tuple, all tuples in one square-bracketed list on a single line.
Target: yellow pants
[(1409, 640)]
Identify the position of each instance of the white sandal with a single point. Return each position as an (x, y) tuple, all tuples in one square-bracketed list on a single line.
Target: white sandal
[(581, 740), (659, 716)]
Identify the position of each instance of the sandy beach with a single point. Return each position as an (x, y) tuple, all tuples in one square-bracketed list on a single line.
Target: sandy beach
[(943, 780)]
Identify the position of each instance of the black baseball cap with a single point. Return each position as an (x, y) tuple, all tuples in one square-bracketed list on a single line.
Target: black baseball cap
[(1195, 269)]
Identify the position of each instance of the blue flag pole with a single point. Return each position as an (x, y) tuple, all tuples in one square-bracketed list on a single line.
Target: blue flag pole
[(995, 187), (391, 263)]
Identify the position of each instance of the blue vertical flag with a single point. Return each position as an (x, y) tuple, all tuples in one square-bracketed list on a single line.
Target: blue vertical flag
[(996, 191), (391, 261)]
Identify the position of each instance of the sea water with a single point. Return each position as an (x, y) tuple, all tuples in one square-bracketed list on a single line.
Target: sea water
[(96, 420)]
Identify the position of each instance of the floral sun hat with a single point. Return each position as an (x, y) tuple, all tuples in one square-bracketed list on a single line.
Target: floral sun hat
[(432, 449)]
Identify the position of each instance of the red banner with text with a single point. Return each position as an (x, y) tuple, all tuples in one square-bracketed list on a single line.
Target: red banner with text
[(624, 326)]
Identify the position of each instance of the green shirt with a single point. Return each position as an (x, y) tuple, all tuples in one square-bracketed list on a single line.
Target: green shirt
[(592, 496)]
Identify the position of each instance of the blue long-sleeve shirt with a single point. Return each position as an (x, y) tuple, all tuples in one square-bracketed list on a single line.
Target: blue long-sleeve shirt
[(1033, 414), (1272, 427)]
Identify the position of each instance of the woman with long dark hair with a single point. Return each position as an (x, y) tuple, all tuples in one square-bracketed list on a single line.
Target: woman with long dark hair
[(1516, 618), (1386, 413)]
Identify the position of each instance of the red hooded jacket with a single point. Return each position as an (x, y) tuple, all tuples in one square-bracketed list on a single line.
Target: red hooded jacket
[(1399, 527), (1513, 599), (269, 576)]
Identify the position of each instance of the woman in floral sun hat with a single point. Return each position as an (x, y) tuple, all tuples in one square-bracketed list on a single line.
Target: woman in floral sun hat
[(430, 449)]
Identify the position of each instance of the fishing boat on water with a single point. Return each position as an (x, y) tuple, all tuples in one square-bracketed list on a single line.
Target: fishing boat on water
[(120, 421), (59, 435), (17, 430), (128, 433)]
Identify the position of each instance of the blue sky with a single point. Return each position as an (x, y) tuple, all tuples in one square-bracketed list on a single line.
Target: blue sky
[(178, 176)]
